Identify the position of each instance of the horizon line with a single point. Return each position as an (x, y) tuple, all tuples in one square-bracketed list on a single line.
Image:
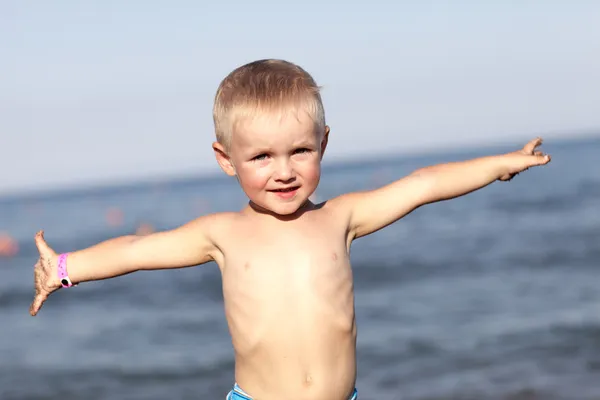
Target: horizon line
[(336, 163)]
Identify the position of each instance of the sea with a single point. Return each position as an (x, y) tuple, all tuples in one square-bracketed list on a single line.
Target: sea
[(494, 295)]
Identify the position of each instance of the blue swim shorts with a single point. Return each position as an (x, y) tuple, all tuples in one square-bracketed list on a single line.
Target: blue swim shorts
[(238, 394)]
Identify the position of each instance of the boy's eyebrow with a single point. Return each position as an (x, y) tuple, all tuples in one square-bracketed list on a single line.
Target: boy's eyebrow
[(305, 143), (265, 149), (259, 150)]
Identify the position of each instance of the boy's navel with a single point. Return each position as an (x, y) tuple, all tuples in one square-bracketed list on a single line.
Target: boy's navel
[(308, 380), (334, 256)]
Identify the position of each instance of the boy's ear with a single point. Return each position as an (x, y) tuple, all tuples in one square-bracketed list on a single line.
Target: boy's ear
[(223, 159), (324, 140)]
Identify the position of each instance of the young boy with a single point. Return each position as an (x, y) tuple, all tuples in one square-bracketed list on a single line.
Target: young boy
[(287, 281)]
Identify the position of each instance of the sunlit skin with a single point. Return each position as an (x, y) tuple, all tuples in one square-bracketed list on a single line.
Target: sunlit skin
[(287, 278), (287, 281), (277, 161)]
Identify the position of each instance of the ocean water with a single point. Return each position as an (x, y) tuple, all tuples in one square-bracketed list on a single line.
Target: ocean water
[(495, 295)]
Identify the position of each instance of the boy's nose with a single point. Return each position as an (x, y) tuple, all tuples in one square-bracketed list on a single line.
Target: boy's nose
[(284, 171)]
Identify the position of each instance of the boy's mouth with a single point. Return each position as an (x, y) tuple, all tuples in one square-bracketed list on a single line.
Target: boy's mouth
[(285, 190)]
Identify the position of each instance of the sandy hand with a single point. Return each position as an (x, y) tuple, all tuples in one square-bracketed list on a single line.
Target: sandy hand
[(527, 157), (45, 274)]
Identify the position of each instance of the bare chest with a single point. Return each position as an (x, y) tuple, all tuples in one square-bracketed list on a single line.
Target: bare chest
[(296, 258)]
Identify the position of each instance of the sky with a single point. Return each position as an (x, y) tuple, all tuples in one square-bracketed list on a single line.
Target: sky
[(96, 92)]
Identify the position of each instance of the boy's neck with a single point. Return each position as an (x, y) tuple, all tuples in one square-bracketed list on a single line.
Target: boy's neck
[(256, 209)]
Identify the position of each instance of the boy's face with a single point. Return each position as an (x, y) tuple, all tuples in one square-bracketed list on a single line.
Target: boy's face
[(277, 160)]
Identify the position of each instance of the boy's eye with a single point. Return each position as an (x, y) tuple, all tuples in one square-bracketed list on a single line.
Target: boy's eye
[(260, 157), (302, 150)]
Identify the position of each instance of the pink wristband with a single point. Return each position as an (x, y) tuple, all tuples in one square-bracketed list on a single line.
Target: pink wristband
[(62, 271)]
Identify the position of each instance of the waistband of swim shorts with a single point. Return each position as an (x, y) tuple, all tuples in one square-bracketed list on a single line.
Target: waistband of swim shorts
[(238, 394)]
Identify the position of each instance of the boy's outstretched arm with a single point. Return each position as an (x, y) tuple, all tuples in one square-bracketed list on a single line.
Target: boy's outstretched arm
[(373, 210), (188, 245)]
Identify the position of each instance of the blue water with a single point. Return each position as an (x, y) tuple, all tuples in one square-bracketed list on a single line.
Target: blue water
[(495, 295)]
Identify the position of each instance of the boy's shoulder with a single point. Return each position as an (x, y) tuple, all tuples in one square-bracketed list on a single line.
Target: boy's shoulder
[(343, 203), (224, 224), (219, 219), (339, 207)]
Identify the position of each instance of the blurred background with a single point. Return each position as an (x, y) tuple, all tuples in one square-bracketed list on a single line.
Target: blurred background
[(105, 129)]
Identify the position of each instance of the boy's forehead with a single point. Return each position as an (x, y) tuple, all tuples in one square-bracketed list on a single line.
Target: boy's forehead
[(266, 128)]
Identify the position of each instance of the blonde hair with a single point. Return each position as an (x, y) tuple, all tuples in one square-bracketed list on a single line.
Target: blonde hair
[(265, 86)]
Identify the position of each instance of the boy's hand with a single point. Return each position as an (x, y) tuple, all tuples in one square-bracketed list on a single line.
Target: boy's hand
[(525, 158), (45, 274)]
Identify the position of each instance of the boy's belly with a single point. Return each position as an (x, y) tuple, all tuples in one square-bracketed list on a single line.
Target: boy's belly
[(294, 341), (303, 364)]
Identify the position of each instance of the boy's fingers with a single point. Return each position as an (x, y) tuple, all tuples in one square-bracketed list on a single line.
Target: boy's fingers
[(40, 243), (37, 304), (530, 147), (541, 159)]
